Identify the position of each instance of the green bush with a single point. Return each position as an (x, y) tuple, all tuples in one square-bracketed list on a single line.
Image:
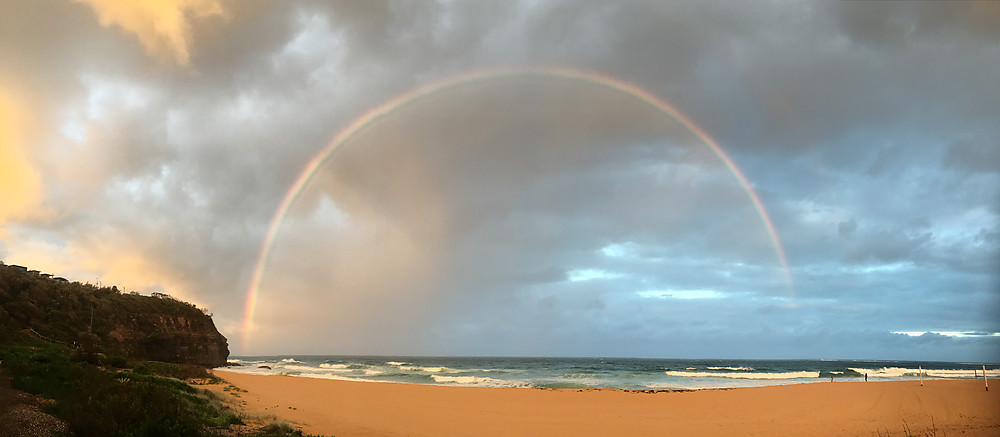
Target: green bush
[(82, 315), (142, 369), (96, 402), (280, 429), (116, 361), (179, 371), (44, 370)]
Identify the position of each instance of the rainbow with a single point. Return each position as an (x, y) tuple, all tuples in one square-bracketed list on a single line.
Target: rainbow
[(408, 97)]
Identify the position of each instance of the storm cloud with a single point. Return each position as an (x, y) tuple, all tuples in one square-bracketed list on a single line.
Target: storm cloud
[(520, 214)]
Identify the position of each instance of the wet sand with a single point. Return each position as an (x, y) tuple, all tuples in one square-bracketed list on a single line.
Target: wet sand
[(347, 408)]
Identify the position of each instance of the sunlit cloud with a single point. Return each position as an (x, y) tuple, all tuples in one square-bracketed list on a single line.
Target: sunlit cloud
[(102, 259), (681, 294), (580, 275), (616, 250), (20, 185), (162, 26), (880, 268), (957, 334)]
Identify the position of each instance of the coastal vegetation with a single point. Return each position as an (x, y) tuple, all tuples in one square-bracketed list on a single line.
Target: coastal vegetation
[(92, 361), (103, 320), (104, 400)]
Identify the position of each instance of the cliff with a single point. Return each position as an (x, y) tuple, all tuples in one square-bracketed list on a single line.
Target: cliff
[(103, 320), (163, 329)]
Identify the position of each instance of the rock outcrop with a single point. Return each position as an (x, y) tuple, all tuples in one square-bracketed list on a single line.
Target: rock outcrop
[(169, 336)]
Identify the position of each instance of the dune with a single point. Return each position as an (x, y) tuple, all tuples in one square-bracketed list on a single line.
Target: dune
[(894, 408)]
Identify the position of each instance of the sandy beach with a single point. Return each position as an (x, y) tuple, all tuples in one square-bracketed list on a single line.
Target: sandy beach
[(345, 408)]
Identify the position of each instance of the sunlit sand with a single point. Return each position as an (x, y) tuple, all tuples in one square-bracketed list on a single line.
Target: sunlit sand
[(897, 408)]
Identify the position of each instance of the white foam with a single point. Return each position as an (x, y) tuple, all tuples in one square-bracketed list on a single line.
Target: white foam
[(961, 373), (735, 369), (339, 370), (298, 368), (886, 372), (395, 363), (476, 381), (899, 372), (744, 375), (290, 360), (317, 375), (428, 369), (661, 386), (332, 376), (249, 370), (348, 368)]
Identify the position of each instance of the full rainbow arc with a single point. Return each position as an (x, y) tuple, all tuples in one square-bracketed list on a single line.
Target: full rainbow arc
[(408, 97)]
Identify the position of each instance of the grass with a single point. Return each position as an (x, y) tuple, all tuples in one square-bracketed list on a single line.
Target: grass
[(82, 317), (127, 398), (908, 432), (55, 342), (100, 401)]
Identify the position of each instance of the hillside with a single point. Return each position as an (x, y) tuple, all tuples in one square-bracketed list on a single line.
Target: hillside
[(81, 360), (102, 320)]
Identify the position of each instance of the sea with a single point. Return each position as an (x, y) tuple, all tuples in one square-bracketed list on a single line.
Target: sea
[(619, 373)]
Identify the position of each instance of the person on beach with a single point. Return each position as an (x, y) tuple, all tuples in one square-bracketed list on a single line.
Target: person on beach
[(866, 377)]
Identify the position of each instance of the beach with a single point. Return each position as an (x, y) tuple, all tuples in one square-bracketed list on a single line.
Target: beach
[(349, 408)]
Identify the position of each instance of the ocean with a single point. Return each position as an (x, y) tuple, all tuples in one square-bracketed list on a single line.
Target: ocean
[(622, 373)]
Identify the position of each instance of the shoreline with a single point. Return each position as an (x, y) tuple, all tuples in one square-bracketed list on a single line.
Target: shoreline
[(351, 408), (625, 373)]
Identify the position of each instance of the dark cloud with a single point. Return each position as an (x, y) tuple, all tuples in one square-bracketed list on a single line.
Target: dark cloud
[(527, 215), (949, 24), (846, 229), (884, 246), (968, 156)]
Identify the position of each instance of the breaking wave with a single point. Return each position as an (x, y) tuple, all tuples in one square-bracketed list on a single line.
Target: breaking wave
[(743, 375), (478, 381), (439, 369), (623, 373), (899, 372)]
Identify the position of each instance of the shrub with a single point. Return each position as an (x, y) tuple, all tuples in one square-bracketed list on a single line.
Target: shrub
[(116, 361), (96, 402), (280, 429), (142, 369), (179, 371)]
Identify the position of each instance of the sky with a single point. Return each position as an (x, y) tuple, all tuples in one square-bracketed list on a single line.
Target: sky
[(683, 179)]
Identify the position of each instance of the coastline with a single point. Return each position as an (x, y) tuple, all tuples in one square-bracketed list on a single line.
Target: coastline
[(347, 408), (624, 373)]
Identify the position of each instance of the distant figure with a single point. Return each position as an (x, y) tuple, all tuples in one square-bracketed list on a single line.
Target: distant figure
[(866, 377)]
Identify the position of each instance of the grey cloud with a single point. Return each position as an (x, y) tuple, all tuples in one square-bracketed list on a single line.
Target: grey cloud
[(888, 246), (970, 156), (451, 226), (45, 44), (483, 220), (886, 22), (846, 229)]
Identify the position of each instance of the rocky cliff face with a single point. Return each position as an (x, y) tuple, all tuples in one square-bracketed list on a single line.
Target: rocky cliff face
[(103, 320), (174, 338)]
